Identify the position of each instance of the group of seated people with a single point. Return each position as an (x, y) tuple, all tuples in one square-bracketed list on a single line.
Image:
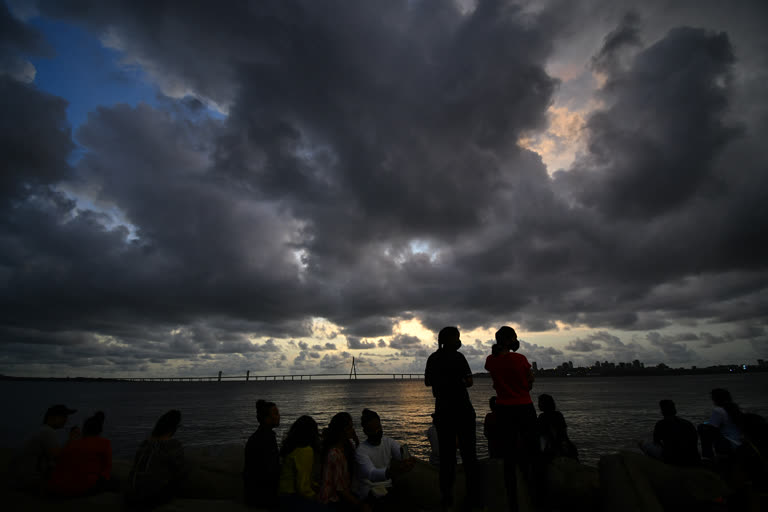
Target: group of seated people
[(551, 427), (335, 472), (83, 465), (729, 433)]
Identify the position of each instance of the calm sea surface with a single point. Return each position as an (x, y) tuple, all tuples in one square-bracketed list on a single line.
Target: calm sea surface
[(603, 414)]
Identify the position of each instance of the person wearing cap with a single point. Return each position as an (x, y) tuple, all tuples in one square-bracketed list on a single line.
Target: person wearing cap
[(35, 462)]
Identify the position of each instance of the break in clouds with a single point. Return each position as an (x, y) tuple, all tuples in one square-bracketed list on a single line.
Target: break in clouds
[(317, 175)]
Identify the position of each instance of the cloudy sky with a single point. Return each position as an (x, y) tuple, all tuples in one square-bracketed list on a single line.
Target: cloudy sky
[(278, 186)]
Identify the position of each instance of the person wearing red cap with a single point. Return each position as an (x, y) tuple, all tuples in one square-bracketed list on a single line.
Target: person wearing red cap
[(35, 462)]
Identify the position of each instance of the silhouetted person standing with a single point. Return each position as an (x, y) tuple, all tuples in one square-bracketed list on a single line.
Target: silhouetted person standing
[(449, 375), (513, 380), (261, 474)]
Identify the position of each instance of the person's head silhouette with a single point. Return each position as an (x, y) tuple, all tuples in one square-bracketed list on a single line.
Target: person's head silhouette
[(506, 336), (267, 414), (371, 424), (668, 408), (449, 338)]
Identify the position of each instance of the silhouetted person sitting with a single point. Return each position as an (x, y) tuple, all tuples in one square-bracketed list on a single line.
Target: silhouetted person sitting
[(33, 466), (722, 434), (159, 467), (262, 459), (676, 437), (298, 484), (553, 431), (449, 375), (751, 463), (85, 464), (339, 465), (492, 432), (378, 458)]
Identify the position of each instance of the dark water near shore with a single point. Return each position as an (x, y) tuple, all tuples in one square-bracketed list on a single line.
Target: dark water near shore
[(603, 414)]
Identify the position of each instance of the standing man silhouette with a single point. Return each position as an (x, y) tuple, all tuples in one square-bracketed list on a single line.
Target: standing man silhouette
[(449, 375)]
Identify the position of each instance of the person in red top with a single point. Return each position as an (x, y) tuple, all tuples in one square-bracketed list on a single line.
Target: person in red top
[(513, 380), (85, 465)]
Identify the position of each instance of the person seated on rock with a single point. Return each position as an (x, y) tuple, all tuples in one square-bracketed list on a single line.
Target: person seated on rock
[(674, 439), (553, 431), (378, 458), (33, 465), (85, 464), (159, 466), (722, 434), (339, 465), (492, 432), (261, 472), (298, 484), (750, 468)]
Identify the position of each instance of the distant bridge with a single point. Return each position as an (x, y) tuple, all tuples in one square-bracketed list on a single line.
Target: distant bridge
[(352, 375)]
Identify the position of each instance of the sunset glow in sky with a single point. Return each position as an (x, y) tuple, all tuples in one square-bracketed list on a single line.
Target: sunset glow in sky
[(278, 186)]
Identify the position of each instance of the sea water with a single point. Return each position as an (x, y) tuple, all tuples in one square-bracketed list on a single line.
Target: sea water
[(603, 414)]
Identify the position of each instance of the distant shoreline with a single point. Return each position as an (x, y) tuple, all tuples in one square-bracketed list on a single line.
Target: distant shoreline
[(540, 374)]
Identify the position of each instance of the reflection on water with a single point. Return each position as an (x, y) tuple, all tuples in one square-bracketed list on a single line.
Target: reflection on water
[(603, 415)]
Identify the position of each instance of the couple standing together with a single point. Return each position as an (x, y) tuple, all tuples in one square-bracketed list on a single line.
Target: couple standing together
[(449, 375)]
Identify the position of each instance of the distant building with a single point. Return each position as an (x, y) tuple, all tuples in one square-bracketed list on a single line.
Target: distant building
[(570, 365), (535, 366)]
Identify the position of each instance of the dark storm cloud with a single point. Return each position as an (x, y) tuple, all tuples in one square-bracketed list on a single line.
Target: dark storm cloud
[(405, 342), (653, 149), (674, 350), (356, 344), (368, 172), (583, 346), (543, 356), (616, 43), (18, 41), (34, 140), (369, 327)]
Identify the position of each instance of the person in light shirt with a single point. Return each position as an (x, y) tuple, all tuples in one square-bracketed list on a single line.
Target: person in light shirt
[(33, 466), (378, 458)]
